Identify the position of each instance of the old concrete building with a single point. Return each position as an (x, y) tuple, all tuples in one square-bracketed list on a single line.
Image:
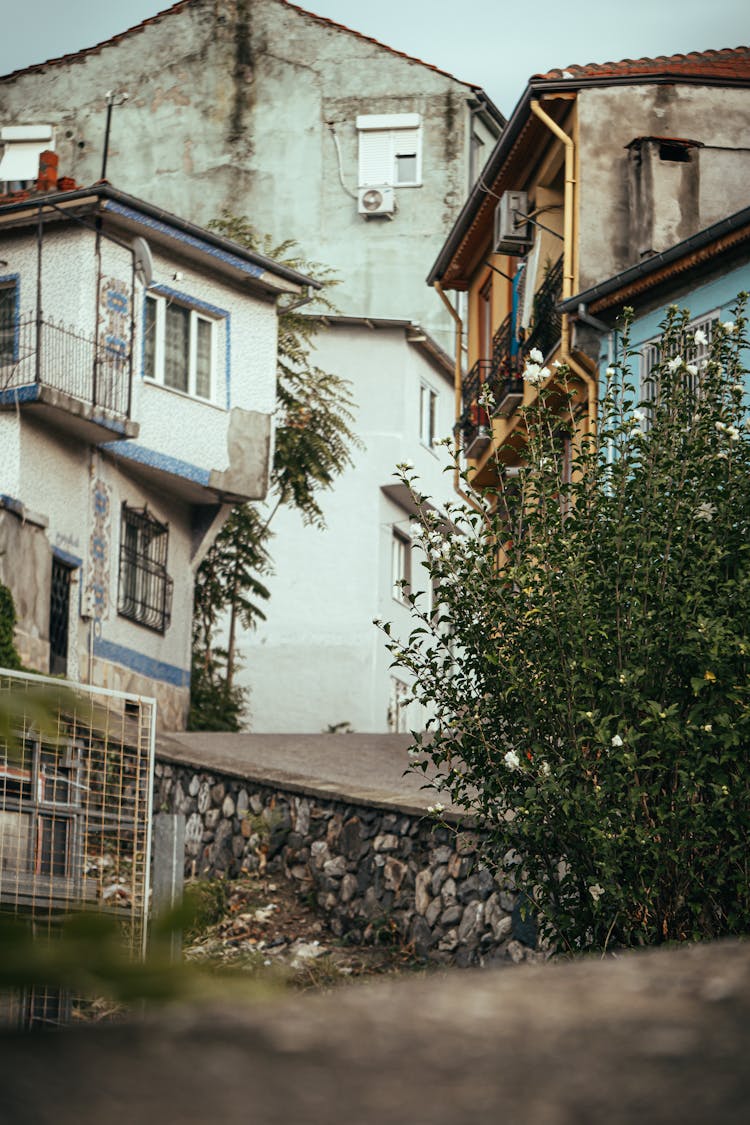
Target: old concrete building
[(268, 110), (137, 386), (600, 167), (364, 156)]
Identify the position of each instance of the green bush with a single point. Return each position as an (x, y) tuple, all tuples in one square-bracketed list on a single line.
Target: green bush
[(589, 697)]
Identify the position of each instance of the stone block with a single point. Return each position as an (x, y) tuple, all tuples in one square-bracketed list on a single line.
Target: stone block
[(422, 886), (387, 842)]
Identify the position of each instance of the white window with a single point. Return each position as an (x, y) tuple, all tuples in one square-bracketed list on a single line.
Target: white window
[(390, 150), (694, 354), (400, 566), (22, 146), (8, 322), (427, 415), (398, 707), (180, 345)]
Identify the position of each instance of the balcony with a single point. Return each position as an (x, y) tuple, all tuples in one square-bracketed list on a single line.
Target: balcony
[(547, 321), (67, 377)]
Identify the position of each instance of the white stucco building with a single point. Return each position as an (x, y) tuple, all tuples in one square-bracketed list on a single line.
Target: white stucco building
[(318, 661), (364, 156), (137, 387)]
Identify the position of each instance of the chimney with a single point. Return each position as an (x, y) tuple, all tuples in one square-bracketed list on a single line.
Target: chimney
[(47, 178)]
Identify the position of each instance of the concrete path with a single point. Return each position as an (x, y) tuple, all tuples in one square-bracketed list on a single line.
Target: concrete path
[(366, 768)]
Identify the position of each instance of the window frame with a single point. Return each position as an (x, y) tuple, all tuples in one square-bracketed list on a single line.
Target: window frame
[(649, 356), (144, 593), (401, 135), (154, 364), (401, 546), (10, 283), (428, 408), (398, 706)]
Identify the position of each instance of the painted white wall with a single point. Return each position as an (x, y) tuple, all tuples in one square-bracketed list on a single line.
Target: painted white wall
[(52, 471), (318, 659)]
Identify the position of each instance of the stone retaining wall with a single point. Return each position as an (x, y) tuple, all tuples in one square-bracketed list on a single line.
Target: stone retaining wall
[(377, 873)]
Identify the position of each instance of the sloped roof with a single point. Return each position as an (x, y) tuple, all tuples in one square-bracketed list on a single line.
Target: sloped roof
[(78, 56), (727, 67), (728, 63)]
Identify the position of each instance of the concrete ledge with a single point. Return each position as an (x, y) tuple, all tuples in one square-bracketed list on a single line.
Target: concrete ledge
[(365, 768), (654, 1038)]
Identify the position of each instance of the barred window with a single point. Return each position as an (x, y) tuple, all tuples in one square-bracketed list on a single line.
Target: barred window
[(693, 354), (145, 593)]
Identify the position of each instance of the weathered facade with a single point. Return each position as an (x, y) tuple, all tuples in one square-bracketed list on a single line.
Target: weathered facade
[(362, 155), (131, 416), (600, 167), (259, 107)]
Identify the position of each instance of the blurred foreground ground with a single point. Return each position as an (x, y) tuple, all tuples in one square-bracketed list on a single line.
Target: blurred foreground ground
[(657, 1037)]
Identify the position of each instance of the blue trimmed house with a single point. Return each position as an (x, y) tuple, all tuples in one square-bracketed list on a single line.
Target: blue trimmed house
[(137, 389), (704, 274)]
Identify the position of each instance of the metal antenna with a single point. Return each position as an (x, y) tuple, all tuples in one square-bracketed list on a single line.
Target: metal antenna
[(113, 99)]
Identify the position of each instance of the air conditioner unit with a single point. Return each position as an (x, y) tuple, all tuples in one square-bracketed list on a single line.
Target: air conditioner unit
[(511, 229), (376, 201)]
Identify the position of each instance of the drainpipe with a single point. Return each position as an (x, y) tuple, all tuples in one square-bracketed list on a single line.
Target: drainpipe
[(568, 279), (457, 380)]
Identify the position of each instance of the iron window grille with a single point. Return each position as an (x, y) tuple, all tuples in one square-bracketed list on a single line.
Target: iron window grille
[(145, 588), (651, 356)]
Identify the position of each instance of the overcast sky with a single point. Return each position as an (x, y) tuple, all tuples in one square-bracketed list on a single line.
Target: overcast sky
[(497, 44)]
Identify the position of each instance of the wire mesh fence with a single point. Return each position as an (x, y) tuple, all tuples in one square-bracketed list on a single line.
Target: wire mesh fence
[(76, 781)]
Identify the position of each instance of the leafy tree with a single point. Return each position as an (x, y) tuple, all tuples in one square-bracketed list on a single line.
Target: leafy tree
[(9, 657), (313, 445), (587, 671)]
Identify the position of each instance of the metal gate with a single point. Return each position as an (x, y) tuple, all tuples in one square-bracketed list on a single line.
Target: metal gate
[(76, 789)]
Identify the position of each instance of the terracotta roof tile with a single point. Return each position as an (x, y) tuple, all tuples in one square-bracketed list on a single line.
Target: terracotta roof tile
[(727, 64), (77, 56)]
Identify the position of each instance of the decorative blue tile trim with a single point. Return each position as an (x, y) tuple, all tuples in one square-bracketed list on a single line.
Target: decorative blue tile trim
[(203, 306), (29, 393), (67, 558), (15, 280), (188, 239), (142, 664), (160, 461)]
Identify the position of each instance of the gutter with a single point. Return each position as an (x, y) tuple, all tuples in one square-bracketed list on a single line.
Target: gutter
[(457, 384), (568, 269), (730, 225)]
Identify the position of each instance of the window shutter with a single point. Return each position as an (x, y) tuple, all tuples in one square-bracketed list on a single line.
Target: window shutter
[(375, 158)]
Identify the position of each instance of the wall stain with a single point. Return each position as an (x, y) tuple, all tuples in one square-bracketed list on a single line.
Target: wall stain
[(243, 70)]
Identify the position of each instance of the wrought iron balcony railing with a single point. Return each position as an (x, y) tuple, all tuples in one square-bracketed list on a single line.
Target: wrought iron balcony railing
[(547, 321), (38, 351)]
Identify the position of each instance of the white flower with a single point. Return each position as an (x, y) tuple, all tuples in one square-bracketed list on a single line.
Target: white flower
[(720, 426), (610, 372), (544, 769), (733, 433), (707, 728), (413, 751), (404, 466), (705, 511), (700, 338), (535, 374), (691, 369), (728, 325), (436, 808), (596, 891), (415, 530), (536, 356), (512, 761), (617, 741), (738, 388), (556, 363), (673, 364)]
